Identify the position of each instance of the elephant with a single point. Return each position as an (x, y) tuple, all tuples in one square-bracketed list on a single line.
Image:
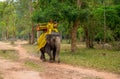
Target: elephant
[(52, 47)]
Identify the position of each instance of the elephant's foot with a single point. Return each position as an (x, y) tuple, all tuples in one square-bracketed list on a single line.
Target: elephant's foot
[(43, 60), (58, 61), (51, 60), (41, 57)]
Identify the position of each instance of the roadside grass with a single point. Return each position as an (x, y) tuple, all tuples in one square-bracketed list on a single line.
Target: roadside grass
[(100, 59), (93, 58), (31, 49), (34, 65), (9, 54)]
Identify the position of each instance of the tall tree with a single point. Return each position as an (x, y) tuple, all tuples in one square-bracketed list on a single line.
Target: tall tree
[(32, 24), (24, 9), (8, 18)]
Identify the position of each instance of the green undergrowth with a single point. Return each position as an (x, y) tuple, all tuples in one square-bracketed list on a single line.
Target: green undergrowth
[(35, 65), (9, 54), (93, 58)]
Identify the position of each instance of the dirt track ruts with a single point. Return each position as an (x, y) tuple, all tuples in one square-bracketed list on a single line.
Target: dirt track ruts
[(16, 70)]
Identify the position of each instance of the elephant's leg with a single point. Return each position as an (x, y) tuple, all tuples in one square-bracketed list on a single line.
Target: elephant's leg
[(50, 55), (54, 54), (48, 50), (57, 55), (42, 57)]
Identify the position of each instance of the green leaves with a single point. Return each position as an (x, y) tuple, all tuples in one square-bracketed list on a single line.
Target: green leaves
[(112, 21), (90, 14)]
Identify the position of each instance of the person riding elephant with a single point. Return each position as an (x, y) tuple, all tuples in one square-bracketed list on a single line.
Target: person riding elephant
[(50, 27), (49, 41)]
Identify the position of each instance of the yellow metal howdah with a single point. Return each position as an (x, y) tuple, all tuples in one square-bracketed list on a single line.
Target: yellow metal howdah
[(48, 29)]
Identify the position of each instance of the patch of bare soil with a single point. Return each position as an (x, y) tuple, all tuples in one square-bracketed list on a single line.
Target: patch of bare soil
[(15, 70), (62, 71)]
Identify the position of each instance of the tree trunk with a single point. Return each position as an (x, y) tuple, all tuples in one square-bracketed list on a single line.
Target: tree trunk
[(32, 35), (105, 30), (91, 36), (13, 37), (29, 36), (32, 25), (74, 35), (86, 36), (74, 30), (91, 43), (3, 36), (6, 35), (79, 3)]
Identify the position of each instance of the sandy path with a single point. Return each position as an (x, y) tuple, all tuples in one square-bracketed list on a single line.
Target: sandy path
[(15, 70)]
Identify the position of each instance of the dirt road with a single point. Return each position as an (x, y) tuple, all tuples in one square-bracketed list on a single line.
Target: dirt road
[(16, 69)]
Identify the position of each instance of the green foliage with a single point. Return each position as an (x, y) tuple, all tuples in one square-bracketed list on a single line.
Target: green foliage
[(23, 22), (116, 1), (69, 12), (112, 22), (80, 32), (2, 27), (44, 12), (8, 16), (2, 6), (58, 11), (90, 13), (16, 17)]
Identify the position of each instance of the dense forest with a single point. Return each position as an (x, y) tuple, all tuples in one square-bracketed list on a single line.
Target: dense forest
[(88, 21)]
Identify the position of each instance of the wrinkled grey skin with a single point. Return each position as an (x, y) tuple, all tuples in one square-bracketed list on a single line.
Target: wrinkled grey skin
[(52, 48)]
